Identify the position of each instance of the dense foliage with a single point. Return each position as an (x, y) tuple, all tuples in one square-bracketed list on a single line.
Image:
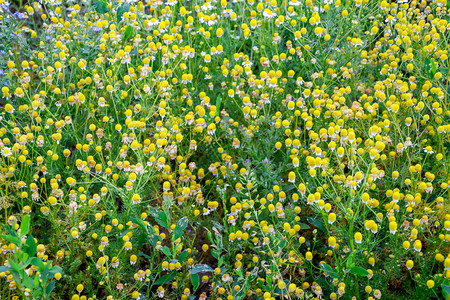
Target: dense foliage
[(258, 149)]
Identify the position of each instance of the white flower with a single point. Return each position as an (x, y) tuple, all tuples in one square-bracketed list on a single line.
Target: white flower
[(428, 151), (269, 14), (6, 151)]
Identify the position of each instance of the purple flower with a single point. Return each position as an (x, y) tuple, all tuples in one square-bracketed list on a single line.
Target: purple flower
[(20, 15), (266, 160)]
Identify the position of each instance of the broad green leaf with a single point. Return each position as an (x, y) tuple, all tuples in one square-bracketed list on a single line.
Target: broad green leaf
[(140, 223), (209, 234), (329, 270), (35, 261), (25, 225), (218, 103), (30, 246), (427, 64), (9, 230), (16, 277), (183, 256), (44, 274), (166, 251), (317, 223), (35, 283), (14, 265), (128, 33), (50, 287), (200, 268), (11, 239), (154, 239), (121, 10), (165, 278), (181, 225), (359, 271), (304, 226), (27, 280), (4, 269), (215, 253), (195, 279), (446, 289), (160, 217), (37, 293), (144, 255), (100, 7), (349, 263), (433, 68)]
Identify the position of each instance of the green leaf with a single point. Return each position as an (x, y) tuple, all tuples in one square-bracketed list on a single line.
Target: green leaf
[(14, 265), (121, 10), (181, 225), (358, 271), (446, 289), (11, 239), (128, 33), (154, 239), (144, 255), (304, 226), (16, 277), (54, 270), (44, 274), (200, 268), (183, 256), (433, 67), (100, 7), (215, 253), (37, 293), (166, 251), (317, 223), (195, 279), (427, 64), (165, 278), (329, 270), (26, 280), (218, 103), (289, 188), (160, 217), (35, 283), (9, 230), (349, 263), (50, 287), (4, 269), (30, 246), (35, 261), (140, 223), (25, 225)]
